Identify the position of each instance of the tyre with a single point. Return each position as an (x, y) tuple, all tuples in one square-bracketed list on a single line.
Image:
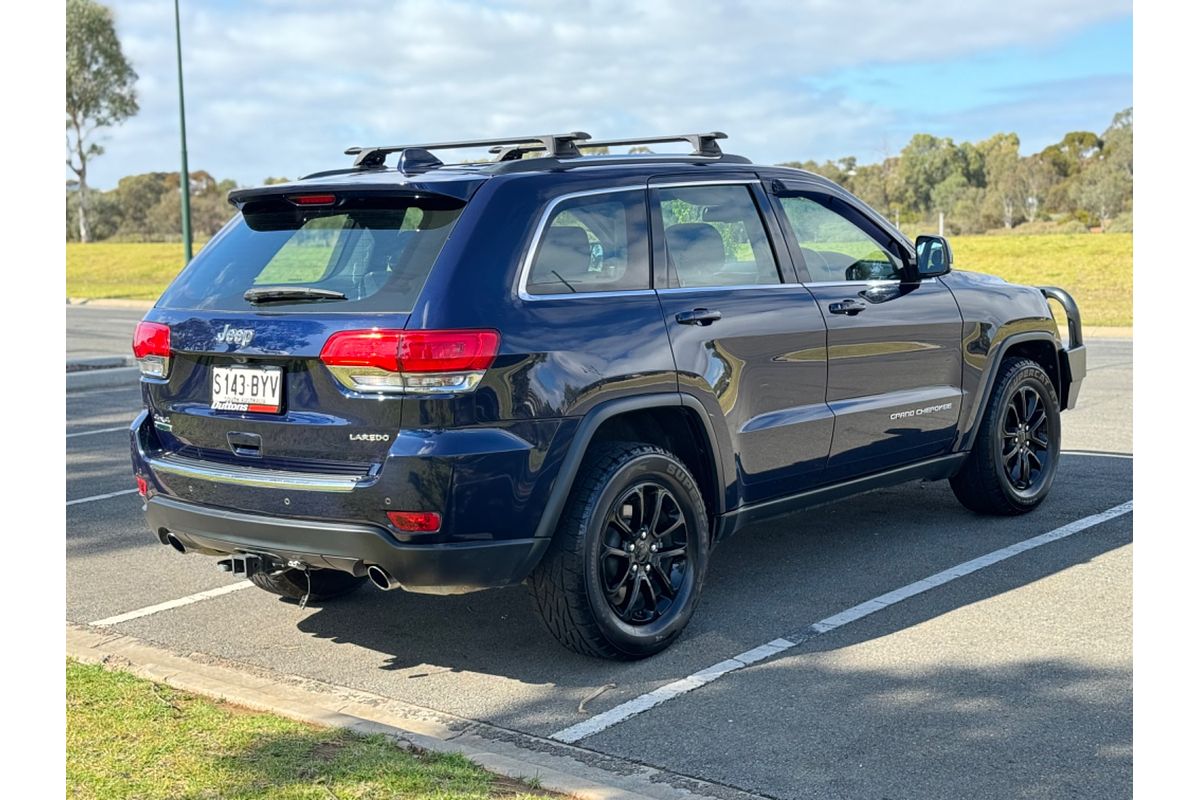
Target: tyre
[(1015, 455), (623, 573), (292, 584)]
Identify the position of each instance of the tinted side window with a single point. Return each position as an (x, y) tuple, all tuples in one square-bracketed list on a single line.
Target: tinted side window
[(715, 237), (595, 243), (835, 248)]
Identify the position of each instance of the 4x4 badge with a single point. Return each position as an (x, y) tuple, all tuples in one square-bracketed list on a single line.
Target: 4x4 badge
[(239, 336)]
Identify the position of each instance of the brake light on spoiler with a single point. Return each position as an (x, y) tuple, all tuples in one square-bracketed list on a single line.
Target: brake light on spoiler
[(152, 348), (410, 362)]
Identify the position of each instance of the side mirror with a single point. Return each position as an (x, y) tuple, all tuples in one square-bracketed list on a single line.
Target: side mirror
[(933, 256)]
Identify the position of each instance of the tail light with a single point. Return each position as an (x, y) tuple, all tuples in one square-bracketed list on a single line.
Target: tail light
[(152, 348), (413, 362)]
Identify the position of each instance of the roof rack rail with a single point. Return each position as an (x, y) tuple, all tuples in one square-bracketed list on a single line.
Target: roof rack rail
[(558, 145), (703, 144)]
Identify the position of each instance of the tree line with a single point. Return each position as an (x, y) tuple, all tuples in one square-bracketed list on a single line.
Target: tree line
[(1082, 182)]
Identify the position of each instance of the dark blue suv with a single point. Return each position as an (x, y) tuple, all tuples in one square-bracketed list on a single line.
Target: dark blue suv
[(576, 370)]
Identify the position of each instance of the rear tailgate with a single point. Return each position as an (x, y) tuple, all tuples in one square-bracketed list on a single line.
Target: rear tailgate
[(319, 425)]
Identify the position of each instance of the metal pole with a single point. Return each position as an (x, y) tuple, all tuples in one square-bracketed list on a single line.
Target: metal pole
[(185, 183)]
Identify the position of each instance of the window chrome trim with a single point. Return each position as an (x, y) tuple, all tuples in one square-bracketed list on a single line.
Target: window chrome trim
[(703, 182), (256, 476), (879, 282), (536, 241), (739, 286)]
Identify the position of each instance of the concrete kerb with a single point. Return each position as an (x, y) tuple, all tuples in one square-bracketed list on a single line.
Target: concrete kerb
[(560, 768)]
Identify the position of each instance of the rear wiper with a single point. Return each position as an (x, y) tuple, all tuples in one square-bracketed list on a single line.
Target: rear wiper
[(279, 294)]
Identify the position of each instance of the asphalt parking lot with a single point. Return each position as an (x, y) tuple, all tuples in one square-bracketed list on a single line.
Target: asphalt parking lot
[(1012, 680)]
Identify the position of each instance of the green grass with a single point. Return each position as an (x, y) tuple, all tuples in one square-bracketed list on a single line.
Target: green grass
[(138, 271), (127, 737), (1096, 268)]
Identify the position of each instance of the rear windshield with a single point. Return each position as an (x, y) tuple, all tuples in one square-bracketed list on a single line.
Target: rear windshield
[(375, 252)]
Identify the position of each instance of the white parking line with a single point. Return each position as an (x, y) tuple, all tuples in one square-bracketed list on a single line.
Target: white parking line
[(100, 497), (1097, 454), (182, 601), (99, 430), (705, 676)]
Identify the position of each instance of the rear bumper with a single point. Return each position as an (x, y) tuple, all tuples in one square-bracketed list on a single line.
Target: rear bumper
[(452, 568)]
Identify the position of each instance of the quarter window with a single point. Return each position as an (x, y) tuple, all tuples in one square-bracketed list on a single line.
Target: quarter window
[(715, 237), (594, 243), (833, 247)]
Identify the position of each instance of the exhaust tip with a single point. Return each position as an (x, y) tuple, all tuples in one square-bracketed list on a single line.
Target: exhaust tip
[(173, 540), (382, 578)]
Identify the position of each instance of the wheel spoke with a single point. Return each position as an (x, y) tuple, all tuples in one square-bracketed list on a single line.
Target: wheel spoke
[(640, 491), (1031, 404), (1008, 455), (658, 504), (1035, 461), (631, 598), (1038, 420), (1024, 468), (665, 578), (615, 552), (622, 526), (644, 578), (614, 588), (674, 552), (674, 526)]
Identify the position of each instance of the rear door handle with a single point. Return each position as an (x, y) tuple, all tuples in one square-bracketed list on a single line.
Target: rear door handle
[(850, 307), (697, 316)]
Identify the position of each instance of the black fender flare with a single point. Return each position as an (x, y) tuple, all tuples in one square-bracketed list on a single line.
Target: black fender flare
[(988, 380), (586, 430)]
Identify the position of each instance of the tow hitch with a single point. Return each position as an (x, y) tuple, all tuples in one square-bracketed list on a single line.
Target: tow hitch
[(245, 565)]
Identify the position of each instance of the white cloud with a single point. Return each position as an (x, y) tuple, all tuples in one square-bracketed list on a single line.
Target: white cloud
[(280, 88)]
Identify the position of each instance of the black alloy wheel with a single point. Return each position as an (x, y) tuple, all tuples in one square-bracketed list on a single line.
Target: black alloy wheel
[(1026, 447), (644, 559)]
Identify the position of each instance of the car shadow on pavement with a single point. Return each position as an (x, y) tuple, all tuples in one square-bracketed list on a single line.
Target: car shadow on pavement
[(763, 584)]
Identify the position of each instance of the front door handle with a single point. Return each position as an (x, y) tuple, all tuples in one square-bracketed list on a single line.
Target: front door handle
[(698, 316), (850, 307)]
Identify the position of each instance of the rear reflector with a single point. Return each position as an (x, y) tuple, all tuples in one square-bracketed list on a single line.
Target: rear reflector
[(313, 199), (416, 521), (422, 362), (152, 348), (142, 486)]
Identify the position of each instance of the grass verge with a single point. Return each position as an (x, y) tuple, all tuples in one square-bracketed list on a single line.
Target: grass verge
[(128, 737), (1097, 269)]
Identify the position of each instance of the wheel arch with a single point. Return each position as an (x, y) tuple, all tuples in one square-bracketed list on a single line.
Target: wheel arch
[(676, 422), (1038, 346)]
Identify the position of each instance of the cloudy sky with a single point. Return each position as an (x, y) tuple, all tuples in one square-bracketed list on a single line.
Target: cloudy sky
[(281, 87)]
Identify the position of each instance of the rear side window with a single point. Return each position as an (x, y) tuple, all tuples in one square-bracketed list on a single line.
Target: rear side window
[(376, 253), (715, 237), (593, 243)]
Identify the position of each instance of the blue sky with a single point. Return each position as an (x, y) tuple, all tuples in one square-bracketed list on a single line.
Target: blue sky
[(280, 87)]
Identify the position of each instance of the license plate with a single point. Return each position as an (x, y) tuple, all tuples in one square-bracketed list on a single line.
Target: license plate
[(255, 389)]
